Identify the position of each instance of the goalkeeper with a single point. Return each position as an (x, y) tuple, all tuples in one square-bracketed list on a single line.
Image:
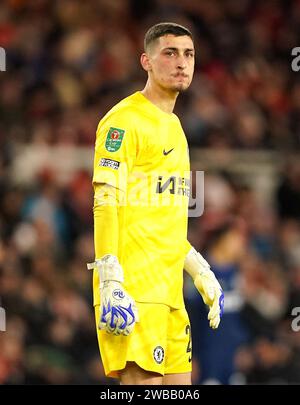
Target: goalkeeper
[(141, 192)]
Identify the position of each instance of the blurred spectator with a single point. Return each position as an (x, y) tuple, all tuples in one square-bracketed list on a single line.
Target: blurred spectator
[(288, 193), (216, 349)]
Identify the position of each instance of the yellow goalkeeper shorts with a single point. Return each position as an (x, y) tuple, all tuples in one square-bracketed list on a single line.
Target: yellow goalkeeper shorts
[(160, 342)]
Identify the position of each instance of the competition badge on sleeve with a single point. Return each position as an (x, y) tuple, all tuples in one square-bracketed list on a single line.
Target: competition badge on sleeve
[(114, 139)]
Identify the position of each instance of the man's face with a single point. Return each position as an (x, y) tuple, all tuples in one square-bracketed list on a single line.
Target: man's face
[(171, 62)]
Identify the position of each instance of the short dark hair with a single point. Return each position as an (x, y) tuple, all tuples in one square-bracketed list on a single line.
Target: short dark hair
[(165, 28)]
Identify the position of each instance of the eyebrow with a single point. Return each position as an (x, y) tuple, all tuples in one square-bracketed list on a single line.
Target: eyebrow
[(170, 48)]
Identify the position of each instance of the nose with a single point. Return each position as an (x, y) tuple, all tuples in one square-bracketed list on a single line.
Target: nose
[(181, 62)]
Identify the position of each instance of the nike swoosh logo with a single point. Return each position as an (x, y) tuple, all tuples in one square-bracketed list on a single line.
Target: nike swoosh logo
[(167, 152)]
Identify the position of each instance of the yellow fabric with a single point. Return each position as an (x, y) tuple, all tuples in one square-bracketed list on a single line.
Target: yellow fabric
[(151, 167), (106, 221), (169, 334)]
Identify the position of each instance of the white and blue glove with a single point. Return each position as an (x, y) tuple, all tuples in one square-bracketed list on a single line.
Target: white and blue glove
[(208, 286), (118, 312)]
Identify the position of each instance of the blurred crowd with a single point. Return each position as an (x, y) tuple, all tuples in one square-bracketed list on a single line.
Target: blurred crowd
[(68, 62)]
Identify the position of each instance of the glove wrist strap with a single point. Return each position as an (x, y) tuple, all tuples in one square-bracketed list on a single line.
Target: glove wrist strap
[(195, 264), (109, 269)]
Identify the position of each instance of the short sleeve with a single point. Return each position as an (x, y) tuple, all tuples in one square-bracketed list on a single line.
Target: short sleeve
[(115, 150)]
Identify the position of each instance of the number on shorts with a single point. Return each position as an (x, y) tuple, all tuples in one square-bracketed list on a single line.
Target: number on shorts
[(189, 345)]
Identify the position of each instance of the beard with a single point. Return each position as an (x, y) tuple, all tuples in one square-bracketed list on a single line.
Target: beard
[(171, 84), (180, 87)]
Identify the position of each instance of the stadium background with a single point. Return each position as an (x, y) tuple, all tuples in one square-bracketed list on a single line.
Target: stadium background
[(68, 62)]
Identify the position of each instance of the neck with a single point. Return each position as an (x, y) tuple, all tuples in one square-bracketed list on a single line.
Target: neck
[(163, 99)]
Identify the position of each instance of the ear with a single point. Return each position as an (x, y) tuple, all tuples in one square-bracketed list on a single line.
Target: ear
[(145, 62)]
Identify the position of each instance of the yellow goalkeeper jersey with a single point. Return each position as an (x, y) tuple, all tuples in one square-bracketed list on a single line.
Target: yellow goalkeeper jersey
[(143, 151)]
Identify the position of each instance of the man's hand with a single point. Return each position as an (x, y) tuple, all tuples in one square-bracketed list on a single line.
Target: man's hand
[(212, 294), (207, 285), (118, 312)]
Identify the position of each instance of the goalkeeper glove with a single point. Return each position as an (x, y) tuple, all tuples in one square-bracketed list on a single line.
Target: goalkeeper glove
[(118, 312), (207, 285)]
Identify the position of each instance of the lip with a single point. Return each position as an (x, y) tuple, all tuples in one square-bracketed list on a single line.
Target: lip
[(180, 76)]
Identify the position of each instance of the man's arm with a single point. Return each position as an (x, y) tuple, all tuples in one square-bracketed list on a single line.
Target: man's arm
[(207, 285), (106, 219), (118, 312)]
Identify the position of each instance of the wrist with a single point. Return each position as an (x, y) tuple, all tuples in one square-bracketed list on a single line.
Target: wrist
[(109, 269), (195, 264)]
